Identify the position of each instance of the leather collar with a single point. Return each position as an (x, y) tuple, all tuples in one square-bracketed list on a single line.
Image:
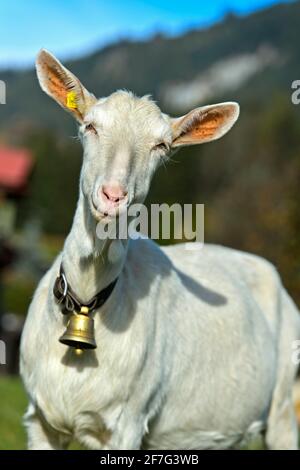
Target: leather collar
[(70, 302)]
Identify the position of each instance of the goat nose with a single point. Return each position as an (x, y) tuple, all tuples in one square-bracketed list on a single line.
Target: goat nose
[(113, 192)]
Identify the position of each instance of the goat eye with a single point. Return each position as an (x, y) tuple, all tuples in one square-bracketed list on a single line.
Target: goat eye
[(162, 147), (90, 128)]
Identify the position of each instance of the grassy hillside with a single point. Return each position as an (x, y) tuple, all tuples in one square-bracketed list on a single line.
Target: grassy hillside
[(13, 405)]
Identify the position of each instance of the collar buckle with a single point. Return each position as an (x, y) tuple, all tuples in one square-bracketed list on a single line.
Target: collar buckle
[(65, 285)]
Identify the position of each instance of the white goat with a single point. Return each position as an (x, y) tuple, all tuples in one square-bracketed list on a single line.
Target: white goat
[(194, 347)]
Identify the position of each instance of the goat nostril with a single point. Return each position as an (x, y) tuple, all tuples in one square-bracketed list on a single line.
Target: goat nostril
[(105, 194), (113, 193)]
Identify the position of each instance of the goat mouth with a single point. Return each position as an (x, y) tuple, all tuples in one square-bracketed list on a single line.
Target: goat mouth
[(102, 215), (97, 214)]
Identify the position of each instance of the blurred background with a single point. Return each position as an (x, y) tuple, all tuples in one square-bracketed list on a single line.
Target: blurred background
[(185, 54)]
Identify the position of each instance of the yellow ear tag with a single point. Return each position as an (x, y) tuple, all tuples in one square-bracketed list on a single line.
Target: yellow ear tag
[(71, 100)]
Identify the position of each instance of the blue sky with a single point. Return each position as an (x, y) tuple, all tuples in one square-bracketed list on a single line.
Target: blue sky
[(69, 28)]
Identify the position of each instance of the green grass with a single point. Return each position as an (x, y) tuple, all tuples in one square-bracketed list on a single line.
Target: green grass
[(13, 405), (18, 294)]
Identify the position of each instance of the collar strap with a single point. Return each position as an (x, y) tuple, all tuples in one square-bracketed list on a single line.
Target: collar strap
[(69, 301)]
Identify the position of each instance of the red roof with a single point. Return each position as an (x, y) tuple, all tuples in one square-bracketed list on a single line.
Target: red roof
[(15, 167)]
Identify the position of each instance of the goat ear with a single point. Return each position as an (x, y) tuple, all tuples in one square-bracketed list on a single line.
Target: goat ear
[(204, 124), (59, 83)]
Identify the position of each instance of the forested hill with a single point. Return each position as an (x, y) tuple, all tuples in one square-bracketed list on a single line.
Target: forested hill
[(240, 58)]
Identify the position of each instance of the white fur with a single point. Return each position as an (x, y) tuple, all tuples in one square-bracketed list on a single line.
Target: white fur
[(194, 348)]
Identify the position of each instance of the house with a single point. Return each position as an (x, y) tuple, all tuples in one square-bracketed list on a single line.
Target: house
[(15, 168)]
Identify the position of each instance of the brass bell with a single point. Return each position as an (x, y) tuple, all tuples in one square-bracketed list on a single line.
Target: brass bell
[(80, 332)]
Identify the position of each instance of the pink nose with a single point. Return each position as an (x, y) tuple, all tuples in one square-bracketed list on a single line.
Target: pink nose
[(113, 192)]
